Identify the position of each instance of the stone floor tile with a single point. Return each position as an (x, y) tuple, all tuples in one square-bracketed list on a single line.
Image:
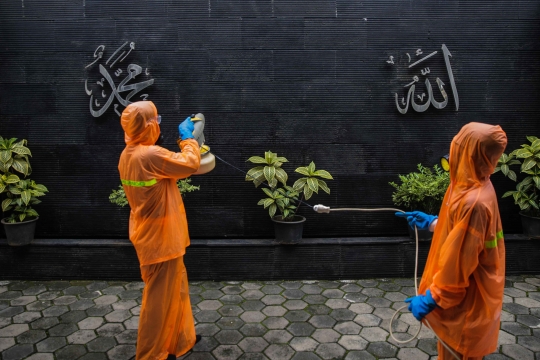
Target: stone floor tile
[(130, 294), (209, 305), (99, 310), (368, 320), (206, 344), (51, 344), (412, 354), (19, 351), (373, 334), (72, 317), (253, 344), (295, 304), (56, 310), (132, 323), (10, 295), (355, 297), (506, 316), (23, 300), (231, 310), (49, 295), (70, 352), (6, 343), (207, 329), (127, 337), (275, 323), (74, 290), (90, 323), (278, 336), (337, 303), (528, 320), (44, 323), (513, 292), (230, 323), (318, 309), (301, 329), (315, 299), (209, 316), (272, 289), (42, 356), (253, 330), (273, 300), (429, 346), (372, 292), (527, 302), (111, 329), (361, 308), (100, 285), (506, 338), (382, 349), (348, 328), (101, 344), (351, 288), (424, 333), (26, 317), (530, 342), (342, 314), (303, 344), (65, 300), (330, 351), (232, 290), (212, 285), (11, 311), (322, 321), (297, 315), (384, 313), (274, 311), (228, 337), (333, 293), (496, 357), (13, 330), (359, 355), (516, 351), (525, 286), (353, 342), (325, 335), (40, 305), (253, 294), (81, 337), (118, 316), (515, 328), (293, 294), (379, 302), (227, 352), (124, 304), (253, 316), (35, 290), (4, 322), (212, 294), (305, 356), (251, 305), (389, 286), (279, 352), (121, 352), (311, 289)]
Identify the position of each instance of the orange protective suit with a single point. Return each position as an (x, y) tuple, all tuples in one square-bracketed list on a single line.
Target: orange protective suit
[(466, 262), (158, 230)]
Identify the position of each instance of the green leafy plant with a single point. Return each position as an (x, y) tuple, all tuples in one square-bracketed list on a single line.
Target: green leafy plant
[(526, 195), (19, 193), (286, 199), (422, 190), (118, 197)]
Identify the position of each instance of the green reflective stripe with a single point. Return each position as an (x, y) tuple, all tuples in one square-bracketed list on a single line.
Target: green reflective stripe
[(139, 183), (493, 243)]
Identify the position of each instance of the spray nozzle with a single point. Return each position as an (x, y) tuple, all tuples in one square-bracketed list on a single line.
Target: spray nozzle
[(321, 208)]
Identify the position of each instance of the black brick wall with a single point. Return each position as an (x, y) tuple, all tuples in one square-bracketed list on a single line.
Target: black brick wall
[(305, 79)]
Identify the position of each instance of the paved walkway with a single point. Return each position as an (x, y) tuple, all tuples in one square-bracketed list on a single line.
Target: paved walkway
[(277, 320)]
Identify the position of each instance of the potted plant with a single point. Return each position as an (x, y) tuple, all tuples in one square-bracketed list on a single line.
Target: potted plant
[(118, 197), (422, 190), (288, 225), (19, 194), (526, 195)]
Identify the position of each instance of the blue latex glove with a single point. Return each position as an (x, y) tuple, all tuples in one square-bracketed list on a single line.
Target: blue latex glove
[(185, 129), (417, 218), (421, 305)]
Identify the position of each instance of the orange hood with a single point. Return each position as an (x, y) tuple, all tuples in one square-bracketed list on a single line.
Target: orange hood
[(474, 153), (139, 123)]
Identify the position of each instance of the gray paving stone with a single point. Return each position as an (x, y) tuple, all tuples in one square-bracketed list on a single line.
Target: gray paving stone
[(212, 294), (348, 328), (42, 356), (9, 295), (253, 294), (74, 290), (207, 329), (212, 285), (506, 316), (231, 299), (94, 356), (515, 328), (361, 308), (351, 288), (295, 304), (506, 338), (101, 344), (207, 344), (112, 329), (322, 321), (342, 314), (384, 313), (228, 337), (294, 294), (530, 342), (305, 356), (333, 293), (373, 334), (279, 352), (11, 311), (209, 305), (253, 330), (90, 323), (113, 290), (251, 286), (132, 323), (278, 336), (44, 323), (26, 317), (314, 299), (207, 316), (359, 355), (35, 290), (97, 285), (4, 322), (70, 352), (72, 317), (227, 352), (297, 315), (368, 320), (253, 316), (382, 349), (99, 310), (353, 342), (124, 304), (274, 311), (127, 337), (118, 316), (49, 295), (273, 299), (272, 289), (51, 344), (58, 285), (291, 284), (301, 329), (355, 297), (524, 286), (275, 323), (253, 344), (528, 320), (311, 289), (513, 292), (230, 323), (23, 300), (252, 305), (17, 352), (412, 354), (13, 330), (516, 309), (56, 310), (121, 352), (232, 290), (389, 287), (325, 335), (31, 337), (304, 344), (39, 305), (429, 346), (516, 351), (330, 351), (130, 294), (81, 337), (136, 310), (318, 309)]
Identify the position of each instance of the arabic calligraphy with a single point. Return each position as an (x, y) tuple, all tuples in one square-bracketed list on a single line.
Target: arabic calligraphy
[(421, 106), (107, 87)]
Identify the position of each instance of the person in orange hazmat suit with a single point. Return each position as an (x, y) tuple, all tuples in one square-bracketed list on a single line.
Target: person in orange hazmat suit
[(463, 281), (158, 229)]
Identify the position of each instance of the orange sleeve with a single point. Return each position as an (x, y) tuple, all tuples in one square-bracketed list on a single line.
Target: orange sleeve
[(459, 258), (176, 165)]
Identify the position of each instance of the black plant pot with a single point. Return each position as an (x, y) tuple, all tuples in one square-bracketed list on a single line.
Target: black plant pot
[(423, 235), (21, 233), (288, 232), (531, 225)]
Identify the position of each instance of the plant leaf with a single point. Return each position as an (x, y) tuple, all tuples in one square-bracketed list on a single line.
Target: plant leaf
[(307, 192), (282, 176), (26, 196), (282, 159), (21, 166), (21, 150), (269, 157), (299, 184), (6, 203), (523, 153), (268, 192), (505, 169), (269, 173), (512, 175), (272, 210), (323, 186), (324, 174), (268, 202), (261, 202), (313, 184), (5, 155), (302, 170), (12, 179), (311, 168), (22, 216), (43, 188), (528, 164), (257, 160)]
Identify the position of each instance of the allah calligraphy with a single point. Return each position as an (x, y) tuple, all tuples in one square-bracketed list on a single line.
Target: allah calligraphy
[(107, 91), (410, 98)]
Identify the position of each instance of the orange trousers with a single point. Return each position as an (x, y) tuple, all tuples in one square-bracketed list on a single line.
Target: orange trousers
[(444, 354), (166, 322)]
